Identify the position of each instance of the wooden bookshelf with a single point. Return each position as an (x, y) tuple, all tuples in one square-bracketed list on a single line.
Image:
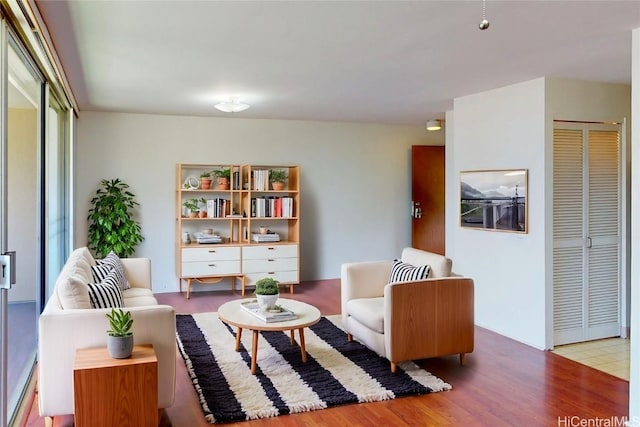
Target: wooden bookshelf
[(222, 243)]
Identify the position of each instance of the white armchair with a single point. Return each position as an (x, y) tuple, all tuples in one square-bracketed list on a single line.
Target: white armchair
[(408, 320)]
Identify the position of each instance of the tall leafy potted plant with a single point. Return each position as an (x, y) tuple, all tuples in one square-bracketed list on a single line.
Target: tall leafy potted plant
[(120, 340), (112, 227)]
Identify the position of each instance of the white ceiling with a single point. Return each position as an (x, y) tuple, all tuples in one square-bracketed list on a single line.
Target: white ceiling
[(397, 62)]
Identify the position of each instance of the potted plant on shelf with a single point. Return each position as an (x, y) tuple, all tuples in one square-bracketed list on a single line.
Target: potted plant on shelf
[(202, 208), (224, 177), (193, 206), (120, 339), (111, 223), (267, 292), (205, 180), (278, 177)]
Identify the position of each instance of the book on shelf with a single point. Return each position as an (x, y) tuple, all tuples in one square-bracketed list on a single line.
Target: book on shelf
[(277, 315), (269, 237), (236, 180), (203, 238), (260, 180), (218, 208), (272, 207)]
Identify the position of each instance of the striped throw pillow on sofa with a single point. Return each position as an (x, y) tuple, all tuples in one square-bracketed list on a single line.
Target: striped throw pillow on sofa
[(107, 293)]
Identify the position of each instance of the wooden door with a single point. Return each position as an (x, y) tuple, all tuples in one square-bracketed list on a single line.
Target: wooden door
[(427, 198)]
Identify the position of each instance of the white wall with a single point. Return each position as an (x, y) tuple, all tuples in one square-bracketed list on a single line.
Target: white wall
[(355, 186), (501, 129), (506, 128)]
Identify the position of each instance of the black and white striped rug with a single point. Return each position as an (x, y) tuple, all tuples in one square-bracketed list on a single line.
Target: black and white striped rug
[(336, 373)]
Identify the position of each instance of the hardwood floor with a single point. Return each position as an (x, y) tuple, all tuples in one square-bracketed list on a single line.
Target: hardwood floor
[(503, 383)]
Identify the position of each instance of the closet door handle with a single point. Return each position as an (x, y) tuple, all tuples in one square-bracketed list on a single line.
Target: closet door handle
[(589, 243)]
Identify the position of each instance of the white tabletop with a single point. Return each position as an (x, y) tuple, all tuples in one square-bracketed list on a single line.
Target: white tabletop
[(231, 313)]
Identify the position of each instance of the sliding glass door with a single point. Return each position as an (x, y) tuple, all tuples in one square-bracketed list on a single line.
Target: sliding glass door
[(34, 213), (57, 203), (22, 216)]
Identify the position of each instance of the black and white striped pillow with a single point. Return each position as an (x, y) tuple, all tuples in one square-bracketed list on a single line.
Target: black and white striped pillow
[(100, 272), (403, 272), (111, 261), (107, 293)]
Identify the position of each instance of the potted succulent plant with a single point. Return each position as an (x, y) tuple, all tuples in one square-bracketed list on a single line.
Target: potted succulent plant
[(267, 292), (278, 177), (224, 178), (205, 180), (193, 205), (120, 339)]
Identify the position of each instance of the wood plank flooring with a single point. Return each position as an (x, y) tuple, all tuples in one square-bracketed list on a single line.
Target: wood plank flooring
[(503, 383)]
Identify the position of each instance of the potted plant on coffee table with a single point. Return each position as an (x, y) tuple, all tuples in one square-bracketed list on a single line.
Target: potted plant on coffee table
[(267, 292), (120, 339), (278, 177)]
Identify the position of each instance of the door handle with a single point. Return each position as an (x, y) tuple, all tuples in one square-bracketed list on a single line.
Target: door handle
[(416, 210), (8, 266), (589, 242)]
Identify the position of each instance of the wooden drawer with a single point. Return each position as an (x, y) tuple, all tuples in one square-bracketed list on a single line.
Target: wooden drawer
[(270, 251), (210, 268), (280, 276), (271, 264), (211, 253)]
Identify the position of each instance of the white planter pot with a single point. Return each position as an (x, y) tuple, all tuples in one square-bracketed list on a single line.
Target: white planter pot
[(266, 302)]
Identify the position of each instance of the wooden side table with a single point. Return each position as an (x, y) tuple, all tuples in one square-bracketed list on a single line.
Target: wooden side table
[(116, 392)]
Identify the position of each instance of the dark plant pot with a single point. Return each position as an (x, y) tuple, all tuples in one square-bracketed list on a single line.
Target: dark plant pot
[(120, 347)]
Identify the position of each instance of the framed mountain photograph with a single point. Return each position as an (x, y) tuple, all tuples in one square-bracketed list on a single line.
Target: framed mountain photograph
[(494, 200)]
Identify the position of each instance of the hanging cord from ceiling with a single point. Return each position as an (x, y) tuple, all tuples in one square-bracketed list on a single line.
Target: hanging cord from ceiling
[(484, 24)]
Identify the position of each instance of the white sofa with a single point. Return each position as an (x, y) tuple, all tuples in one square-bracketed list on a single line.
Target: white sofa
[(68, 323)]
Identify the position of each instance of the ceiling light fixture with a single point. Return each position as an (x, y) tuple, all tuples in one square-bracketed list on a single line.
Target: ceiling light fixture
[(233, 105), (434, 124)]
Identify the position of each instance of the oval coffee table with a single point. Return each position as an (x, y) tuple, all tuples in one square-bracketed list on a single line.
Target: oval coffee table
[(231, 313)]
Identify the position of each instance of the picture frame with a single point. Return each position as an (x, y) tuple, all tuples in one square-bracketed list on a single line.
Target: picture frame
[(494, 200)]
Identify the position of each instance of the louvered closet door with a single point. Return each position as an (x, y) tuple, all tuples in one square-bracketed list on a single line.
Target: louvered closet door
[(586, 217), (568, 236)]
